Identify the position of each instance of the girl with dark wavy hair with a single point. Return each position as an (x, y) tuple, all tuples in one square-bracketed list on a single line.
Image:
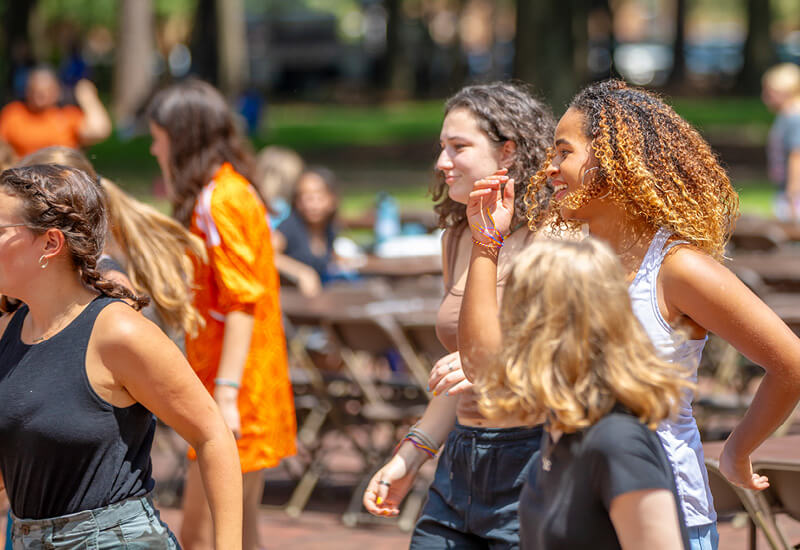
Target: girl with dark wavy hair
[(643, 180), (473, 500), (240, 351), (81, 375)]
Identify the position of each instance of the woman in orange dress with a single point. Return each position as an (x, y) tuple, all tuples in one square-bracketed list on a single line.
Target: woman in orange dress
[(240, 353)]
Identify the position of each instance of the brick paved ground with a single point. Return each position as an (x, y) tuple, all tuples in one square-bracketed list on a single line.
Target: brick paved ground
[(320, 526)]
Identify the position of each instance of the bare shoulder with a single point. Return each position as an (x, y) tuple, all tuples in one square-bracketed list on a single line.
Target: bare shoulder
[(686, 264), (121, 326)]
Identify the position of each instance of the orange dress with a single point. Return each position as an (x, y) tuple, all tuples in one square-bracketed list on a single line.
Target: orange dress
[(241, 276), (27, 131)]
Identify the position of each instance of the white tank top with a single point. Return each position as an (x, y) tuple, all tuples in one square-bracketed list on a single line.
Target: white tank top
[(680, 437)]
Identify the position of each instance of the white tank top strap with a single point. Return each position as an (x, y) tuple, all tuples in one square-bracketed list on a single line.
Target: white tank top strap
[(680, 436)]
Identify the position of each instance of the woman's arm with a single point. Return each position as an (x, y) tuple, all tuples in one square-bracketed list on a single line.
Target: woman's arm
[(793, 183), (96, 122), (714, 298), (479, 337), (155, 373), (235, 348), (401, 470), (302, 275), (646, 519)]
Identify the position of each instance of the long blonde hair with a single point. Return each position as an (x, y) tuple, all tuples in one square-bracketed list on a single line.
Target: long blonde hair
[(572, 347), (156, 247)]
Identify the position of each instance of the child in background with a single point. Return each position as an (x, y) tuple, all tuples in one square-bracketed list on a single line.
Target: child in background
[(594, 375), (304, 240), (781, 94), (276, 174)]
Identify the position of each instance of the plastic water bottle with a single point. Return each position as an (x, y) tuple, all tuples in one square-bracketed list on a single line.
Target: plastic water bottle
[(387, 219)]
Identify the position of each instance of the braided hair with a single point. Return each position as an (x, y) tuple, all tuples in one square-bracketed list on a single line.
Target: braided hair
[(67, 199)]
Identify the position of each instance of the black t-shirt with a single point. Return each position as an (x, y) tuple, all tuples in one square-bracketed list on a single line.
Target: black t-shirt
[(568, 506)]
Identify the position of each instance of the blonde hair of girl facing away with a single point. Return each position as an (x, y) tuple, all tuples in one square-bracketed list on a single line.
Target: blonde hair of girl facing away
[(155, 245), (572, 348), (651, 162)]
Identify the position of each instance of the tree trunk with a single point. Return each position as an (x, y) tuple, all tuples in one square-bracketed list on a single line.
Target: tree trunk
[(233, 61), (205, 58), (133, 68), (678, 73), (758, 53), (17, 46), (544, 53)]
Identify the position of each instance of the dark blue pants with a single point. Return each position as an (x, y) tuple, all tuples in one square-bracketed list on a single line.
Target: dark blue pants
[(474, 497)]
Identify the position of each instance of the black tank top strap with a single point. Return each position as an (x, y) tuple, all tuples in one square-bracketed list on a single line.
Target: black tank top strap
[(14, 327)]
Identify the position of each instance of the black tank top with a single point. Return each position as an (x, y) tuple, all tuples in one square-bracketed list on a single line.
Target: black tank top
[(63, 449)]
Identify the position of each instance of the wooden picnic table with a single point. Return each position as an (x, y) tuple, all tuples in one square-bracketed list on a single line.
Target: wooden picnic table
[(411, 304), (412, 266), (780, 271), (784, 449)]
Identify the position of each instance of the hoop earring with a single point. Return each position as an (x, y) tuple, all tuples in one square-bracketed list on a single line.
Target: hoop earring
[(584, 177), (46, 261)]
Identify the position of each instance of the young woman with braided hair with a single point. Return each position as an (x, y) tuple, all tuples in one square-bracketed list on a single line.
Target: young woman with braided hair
[(645, 181), (81, 376), (473, 500), (240, 352)]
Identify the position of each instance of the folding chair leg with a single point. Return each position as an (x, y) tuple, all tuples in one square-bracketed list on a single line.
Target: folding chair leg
[(305, 487), (353, 511)]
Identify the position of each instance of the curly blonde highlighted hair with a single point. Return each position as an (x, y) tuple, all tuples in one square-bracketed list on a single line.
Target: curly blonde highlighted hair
[(155, 246), (654, 164), (573, 348)]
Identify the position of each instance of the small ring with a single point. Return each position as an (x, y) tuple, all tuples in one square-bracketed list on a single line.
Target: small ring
[(383, 482), (452, 367)]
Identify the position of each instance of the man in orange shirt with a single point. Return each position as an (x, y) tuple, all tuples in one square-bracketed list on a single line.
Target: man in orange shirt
[(39, 121)]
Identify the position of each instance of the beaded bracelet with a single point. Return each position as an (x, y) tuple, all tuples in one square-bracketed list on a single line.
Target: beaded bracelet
[(227, 382)]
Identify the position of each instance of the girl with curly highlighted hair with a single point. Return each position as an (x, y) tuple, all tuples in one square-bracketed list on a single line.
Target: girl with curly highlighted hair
[(492, 129), (642, 179), (593, 373)]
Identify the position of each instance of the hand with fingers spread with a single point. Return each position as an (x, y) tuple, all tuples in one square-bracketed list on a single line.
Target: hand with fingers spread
[(447, 377), (390, 485), (491, 208), (739, 471)]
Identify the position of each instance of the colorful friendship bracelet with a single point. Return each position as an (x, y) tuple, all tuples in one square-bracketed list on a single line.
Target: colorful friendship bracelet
[(421, 446), (495, 237)]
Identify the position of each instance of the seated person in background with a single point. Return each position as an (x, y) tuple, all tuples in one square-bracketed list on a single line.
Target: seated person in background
[(276, 175), (303, 242), (573, 353), (781, 94), (39, 121)]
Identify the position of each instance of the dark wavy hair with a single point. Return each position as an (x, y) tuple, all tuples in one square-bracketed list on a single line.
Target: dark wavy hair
[(505, 111), (67, 199), (654, 164), (202, 134)]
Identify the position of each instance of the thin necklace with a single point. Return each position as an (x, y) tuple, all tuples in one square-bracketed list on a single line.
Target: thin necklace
[(53, 331)]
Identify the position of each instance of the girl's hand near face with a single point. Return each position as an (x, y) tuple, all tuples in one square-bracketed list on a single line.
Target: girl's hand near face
[(490, 209)]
